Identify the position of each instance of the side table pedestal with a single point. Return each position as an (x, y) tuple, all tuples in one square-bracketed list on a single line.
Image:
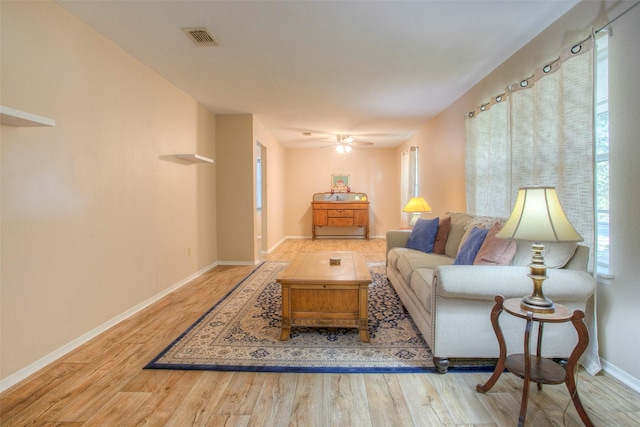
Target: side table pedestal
[(535, 368)]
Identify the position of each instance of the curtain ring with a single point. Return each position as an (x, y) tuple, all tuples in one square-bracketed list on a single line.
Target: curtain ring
[(576, 48), (524, 83), (546, 69)]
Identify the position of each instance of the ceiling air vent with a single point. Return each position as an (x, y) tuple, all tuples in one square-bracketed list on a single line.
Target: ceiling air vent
[(201, 37)]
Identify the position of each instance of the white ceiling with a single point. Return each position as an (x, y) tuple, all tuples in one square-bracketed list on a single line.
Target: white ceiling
[(374, 69)]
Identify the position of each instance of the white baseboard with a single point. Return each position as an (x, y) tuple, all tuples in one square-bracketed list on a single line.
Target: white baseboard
[(320, 236), (621, 375), (34, 367), (272, 248), (238, 262)]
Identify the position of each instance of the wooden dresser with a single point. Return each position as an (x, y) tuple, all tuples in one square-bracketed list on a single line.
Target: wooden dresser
[(340, 210)]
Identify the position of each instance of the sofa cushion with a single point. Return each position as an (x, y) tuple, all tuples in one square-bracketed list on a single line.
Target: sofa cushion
[(423, 235), (458, 223), (556, 255), (470, 248), (411, 259), (443, 233), (422, 285), (393, 255), (495, 251)]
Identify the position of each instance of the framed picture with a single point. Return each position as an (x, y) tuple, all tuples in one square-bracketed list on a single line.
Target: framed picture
[(340, 183)]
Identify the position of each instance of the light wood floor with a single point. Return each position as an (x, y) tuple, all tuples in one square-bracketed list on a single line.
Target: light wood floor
[(103, 383)]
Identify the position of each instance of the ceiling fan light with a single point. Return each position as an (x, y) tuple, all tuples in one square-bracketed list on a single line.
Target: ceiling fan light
[(348, 140), (347, 148), (340, 148)]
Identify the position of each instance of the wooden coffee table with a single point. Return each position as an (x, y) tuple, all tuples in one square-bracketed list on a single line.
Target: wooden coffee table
[(318, 294)]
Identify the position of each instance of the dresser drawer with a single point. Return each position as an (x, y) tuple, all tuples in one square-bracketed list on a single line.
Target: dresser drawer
[(340, 213), (340, 222)]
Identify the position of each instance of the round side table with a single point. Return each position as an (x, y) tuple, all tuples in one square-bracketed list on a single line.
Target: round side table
[(535, 367)]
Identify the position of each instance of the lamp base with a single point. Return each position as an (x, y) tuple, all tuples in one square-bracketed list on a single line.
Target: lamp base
[(537, 305), (537, 302), (416, 216)]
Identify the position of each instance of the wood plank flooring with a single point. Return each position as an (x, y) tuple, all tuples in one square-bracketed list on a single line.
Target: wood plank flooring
[(102, 383)]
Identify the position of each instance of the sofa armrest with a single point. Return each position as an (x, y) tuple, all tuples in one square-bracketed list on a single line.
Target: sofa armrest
[(397, 239), (485, 282)]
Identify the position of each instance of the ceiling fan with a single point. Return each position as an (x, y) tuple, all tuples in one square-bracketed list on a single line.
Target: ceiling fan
[(344, 143)]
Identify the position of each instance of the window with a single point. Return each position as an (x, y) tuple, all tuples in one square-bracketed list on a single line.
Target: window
[(548, 133), (408, 180), (602, 156)]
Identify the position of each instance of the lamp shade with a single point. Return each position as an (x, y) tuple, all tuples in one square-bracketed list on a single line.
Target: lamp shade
[(538, 217), (417, 204)]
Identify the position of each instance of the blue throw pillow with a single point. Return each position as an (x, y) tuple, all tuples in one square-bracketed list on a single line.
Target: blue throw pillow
[(423, 235), (471, 246)]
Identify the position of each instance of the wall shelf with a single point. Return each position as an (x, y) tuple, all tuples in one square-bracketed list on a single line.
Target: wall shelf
[(195, 158), (12, 117)]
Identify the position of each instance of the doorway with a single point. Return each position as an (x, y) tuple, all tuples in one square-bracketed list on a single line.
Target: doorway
[(261, 200)]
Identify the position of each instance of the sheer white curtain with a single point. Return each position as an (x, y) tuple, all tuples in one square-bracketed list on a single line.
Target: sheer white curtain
[(543, 135), (408, 181), (552, 135), (487, 161)]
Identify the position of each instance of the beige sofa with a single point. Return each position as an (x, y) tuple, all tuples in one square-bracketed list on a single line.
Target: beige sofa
[(451, 304)]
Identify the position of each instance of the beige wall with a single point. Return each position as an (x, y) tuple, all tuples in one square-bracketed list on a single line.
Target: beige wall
[(235, 151), (441, 163), (237, 135), (371, 170), (97, 213)]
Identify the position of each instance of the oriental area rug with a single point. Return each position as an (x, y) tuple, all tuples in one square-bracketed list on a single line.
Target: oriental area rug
[(242, 333)]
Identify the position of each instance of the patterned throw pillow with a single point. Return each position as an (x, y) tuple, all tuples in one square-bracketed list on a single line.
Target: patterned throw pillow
[(484, 222), (471, 246), (423, 235)]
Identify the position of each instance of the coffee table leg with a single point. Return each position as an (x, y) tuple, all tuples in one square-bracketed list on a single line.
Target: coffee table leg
[(286, 311), (364, 333), (363, 313), (285, 333)]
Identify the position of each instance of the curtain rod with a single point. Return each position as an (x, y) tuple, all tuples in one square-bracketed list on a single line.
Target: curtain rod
[(616, 18)]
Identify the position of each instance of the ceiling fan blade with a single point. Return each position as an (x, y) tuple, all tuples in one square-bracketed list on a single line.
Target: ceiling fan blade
[(310, 141), (379, 134)]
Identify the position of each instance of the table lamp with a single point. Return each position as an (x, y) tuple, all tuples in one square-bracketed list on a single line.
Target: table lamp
[(416, 206), (538, 217)]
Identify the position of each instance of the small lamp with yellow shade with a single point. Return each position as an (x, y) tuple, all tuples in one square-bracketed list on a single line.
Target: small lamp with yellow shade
[(416, 206)]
